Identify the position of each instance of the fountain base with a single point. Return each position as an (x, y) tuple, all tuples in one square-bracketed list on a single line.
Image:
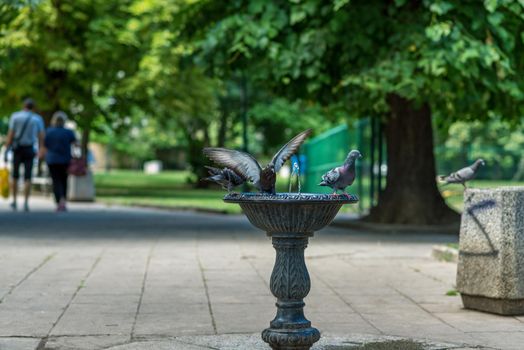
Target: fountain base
[(288, 339)]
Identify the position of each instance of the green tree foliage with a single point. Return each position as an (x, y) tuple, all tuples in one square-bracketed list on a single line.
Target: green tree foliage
[(462, 57), (497, 141), (113, 66), (400, 60), (68, 55), (279, 120), (157, 73), (167, 84)]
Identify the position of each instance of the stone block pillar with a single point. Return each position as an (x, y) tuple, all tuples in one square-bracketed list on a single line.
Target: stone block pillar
[(490, 275)]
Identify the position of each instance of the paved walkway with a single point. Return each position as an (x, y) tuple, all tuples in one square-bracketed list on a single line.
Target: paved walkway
[(99, 277)]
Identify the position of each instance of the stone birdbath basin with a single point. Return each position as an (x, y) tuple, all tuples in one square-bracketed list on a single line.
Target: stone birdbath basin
[(290, 219)]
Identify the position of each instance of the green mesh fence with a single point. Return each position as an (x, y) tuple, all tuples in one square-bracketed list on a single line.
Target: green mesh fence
[(324, 152), (329, 150)]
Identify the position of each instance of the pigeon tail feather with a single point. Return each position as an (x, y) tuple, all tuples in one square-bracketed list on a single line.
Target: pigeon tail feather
[(212, 170), (214, 178)]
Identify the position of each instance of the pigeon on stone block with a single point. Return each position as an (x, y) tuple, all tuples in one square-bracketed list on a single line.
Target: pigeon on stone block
[(463, 175), (343, 176), (226, 178), (245, 165)]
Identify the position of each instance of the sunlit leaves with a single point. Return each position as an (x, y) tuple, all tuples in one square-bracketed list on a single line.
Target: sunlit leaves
[(460, 57), (338, 4), (59, 52), (441, 7), (491, 5), (439, 30)]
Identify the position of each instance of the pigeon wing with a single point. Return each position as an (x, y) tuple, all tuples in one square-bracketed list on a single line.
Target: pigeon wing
[(451, 178), (331, 176), (465, 173), (243, 164), (289, 149)]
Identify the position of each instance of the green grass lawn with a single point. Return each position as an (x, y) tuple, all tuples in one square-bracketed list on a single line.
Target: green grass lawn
[(170, 189)]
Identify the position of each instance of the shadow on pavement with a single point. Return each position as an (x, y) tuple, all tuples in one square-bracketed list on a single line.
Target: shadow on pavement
[(95, 221)]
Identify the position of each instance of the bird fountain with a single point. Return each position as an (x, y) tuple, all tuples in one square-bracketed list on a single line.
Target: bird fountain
[(290, 219)]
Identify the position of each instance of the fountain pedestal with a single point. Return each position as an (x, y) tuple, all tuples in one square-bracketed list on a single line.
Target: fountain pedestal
[(290, 219), (290, 284)]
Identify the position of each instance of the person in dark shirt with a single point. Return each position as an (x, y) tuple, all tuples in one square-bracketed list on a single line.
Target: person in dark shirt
[(58, 141)]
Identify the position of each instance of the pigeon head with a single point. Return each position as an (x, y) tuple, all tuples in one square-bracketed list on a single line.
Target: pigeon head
[(354, 154), (478, 163)]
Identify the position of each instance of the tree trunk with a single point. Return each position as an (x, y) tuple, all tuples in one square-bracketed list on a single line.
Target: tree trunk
[(411, 195)]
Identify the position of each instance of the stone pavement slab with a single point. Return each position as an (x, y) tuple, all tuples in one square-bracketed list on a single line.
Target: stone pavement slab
[(85, 342), (18, 343), (102, 277)]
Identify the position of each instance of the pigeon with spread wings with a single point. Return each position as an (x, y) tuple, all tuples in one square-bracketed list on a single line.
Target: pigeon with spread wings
[(246, 166)]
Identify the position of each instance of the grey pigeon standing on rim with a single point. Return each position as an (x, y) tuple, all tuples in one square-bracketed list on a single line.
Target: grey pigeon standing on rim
[(343, 176), (246, 166), (463, 175), (226, 178)]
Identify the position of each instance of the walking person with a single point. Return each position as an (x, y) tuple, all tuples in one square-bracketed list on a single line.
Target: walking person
[(58, 142), (26, 131)]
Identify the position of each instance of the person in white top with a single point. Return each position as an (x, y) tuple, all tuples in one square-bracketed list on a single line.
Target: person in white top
[(26, 132)]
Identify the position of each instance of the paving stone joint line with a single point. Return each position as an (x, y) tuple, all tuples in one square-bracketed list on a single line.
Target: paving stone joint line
[(142, 291), (32, 271), (250, 261), (206, 289), (346, 302), (42, 344), (422, 308)]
